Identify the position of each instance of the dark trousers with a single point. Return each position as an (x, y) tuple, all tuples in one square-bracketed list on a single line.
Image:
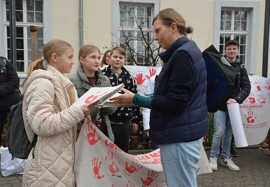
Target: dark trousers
[(3, 115), (121, 135)]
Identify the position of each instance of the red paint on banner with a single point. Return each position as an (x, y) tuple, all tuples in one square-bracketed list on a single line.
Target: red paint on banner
[(152, 73), (91, 135), (130, 168), (96, 166), (150, 178), (139, 78), (113, 168)]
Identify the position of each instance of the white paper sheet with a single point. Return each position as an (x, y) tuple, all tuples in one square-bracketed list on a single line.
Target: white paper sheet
[(237, 125)]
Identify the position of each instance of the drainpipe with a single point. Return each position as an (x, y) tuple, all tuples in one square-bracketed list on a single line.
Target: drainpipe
[(81, 22), (266, 38), (12, 24)]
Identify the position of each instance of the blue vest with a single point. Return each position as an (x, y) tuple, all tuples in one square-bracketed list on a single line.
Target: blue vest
[(191, 124)]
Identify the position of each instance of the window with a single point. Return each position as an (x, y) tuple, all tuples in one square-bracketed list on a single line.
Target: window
[(136, 31), (234, 26), (28, 13), (132, 29)]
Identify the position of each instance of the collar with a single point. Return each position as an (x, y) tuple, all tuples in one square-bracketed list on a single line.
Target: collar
[(64, 80), (237, 60), (165, 56)]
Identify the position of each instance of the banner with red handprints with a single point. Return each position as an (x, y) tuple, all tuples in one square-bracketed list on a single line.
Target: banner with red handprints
[(254, 110), (142, 75), (99, 162)]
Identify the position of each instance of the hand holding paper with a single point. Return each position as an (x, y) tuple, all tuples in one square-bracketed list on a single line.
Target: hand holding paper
[(124, 99)]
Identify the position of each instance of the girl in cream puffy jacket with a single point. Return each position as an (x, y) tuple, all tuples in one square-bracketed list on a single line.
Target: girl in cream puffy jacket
[(49, 111)]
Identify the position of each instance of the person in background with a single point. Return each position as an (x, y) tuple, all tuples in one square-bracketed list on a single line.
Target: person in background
[(87, 76), (9, 90), (222, 124), (179, 114), (105, 59), (50, 113), (146, 111), (123, 117)]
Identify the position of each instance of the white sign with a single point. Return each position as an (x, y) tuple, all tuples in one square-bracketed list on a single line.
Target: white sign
[(142, 75), (255, 110)]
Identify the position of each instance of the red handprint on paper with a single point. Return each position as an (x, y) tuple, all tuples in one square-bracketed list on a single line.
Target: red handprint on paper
[(152, 72), (139, 78), (96, 166), (130, 168), (113, 168), (150, 178), (91, 135), (252, 100), (250, 117)]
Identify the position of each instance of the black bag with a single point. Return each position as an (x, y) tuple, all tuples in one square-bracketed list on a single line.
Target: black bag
[(18, 144), (221, 78)]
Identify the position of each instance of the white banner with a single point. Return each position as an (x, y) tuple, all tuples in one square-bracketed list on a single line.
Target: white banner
[(101, 163), (142, 75), (255, 110)]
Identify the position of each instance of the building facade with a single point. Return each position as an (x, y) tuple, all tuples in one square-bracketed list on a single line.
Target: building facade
[(107, 23)]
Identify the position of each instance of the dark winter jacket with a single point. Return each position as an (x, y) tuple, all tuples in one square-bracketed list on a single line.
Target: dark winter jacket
[(9, 85), (242, 85), (179, 110), (123, 114)]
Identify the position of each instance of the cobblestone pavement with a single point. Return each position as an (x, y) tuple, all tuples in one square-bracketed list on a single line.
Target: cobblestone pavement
[(255, 172)]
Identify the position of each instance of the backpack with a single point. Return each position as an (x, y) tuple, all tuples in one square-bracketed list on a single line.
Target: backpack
[(18, 144), (221, 78)]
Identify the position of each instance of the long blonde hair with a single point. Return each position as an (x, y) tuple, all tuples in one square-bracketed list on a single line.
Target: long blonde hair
[(54, 46)]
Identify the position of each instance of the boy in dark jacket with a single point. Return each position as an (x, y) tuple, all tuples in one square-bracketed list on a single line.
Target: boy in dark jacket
[(9, 89), (124, 117), (222, 124)]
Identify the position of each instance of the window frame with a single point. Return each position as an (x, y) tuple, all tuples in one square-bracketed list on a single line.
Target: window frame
[(116, 28), (253, 28), (4, 24)]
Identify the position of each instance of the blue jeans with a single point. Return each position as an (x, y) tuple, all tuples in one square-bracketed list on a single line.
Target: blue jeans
[(180, 163), (222, 132)]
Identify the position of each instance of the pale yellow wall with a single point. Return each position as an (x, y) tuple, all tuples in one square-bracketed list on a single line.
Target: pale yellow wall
[(64, 22), (259, 59), (98, 23), (199, 14)]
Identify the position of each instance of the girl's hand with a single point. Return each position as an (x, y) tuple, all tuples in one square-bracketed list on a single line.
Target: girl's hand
[(85, 110)]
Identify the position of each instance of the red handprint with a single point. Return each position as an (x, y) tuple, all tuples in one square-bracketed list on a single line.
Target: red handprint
[(130, 168), (252, 100), (152, 73), (250, 117), (91, 135), (96, 166), (113, 168), (150, 178), (139, 78), (156, 154)]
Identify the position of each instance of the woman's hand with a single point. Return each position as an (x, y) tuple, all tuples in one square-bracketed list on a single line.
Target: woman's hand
[(124, 99)]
